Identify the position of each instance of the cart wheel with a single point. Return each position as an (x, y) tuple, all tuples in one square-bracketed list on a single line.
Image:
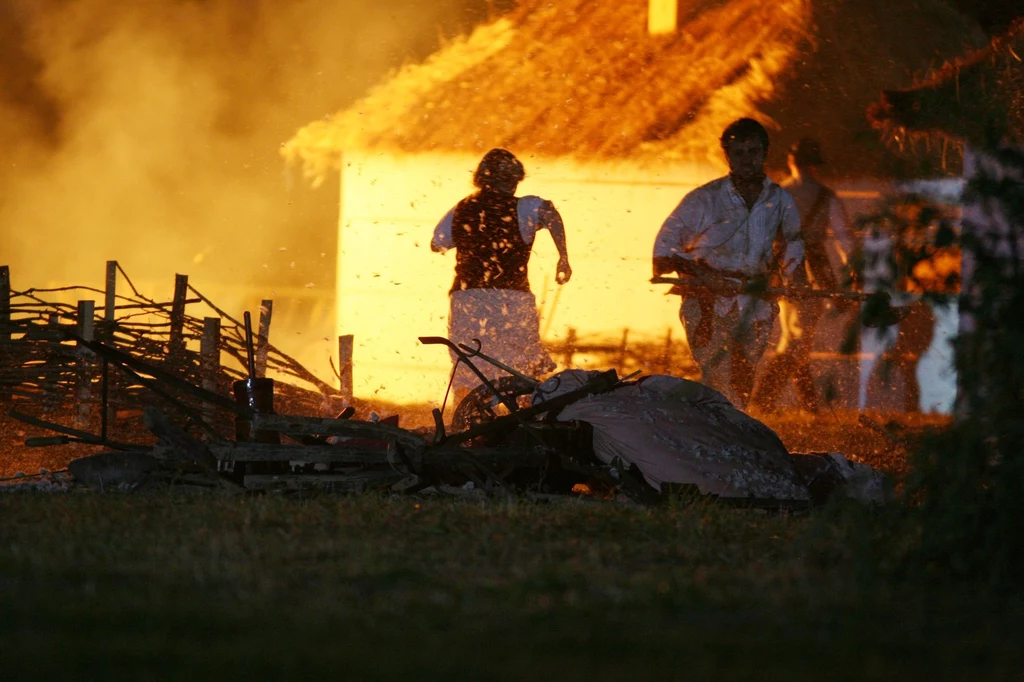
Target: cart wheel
[(481, 406)]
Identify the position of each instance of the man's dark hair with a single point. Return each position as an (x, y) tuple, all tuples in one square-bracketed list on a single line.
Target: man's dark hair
[(499, 169), (745, 129)]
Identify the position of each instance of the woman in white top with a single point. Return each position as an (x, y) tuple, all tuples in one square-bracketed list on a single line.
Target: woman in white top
[(492, 232)]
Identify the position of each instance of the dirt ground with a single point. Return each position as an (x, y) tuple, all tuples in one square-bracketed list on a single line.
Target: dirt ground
[(880, 440)]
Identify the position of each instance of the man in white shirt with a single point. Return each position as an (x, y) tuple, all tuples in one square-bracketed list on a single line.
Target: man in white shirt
[(492, 232), (723, 235)]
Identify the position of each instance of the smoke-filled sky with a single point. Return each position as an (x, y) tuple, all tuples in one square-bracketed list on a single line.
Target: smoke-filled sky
[(147, 131)]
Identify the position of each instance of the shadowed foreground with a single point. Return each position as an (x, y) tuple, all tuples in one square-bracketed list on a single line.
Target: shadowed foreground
[(173, 586)]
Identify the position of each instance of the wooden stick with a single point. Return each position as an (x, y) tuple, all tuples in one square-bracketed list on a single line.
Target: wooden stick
[(263, 337), (570, 347), (83, 436), (346, 347), (250, 359), (184, 445), (229, 451), (209, 360), (111, 291), (121, 358), (5, 302), (86, 329), (5, 321), (622, 351), (725, 288), (667, 359), (177, 339), (315, 426), (86, 324)]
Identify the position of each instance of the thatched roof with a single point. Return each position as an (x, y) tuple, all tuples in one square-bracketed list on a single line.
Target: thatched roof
[(583, 79), (978, 97)]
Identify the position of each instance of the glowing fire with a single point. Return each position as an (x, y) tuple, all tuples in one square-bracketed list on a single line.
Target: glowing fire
[(392, 288)]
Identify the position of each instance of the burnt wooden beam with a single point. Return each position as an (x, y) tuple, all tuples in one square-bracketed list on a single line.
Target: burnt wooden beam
[(110, 292), (346, 345), (569, 348), (316, 426), (5, 302), (121, 358), (229, 451), (263, 337), (192, 415), (177, 339), (209, 360), (180, 443), (85, 363), (5, 322), (83, 436)]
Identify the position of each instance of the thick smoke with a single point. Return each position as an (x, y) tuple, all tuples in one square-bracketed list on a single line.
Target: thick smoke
[(148, 133)]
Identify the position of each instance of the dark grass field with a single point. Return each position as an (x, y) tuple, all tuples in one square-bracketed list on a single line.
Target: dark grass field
[(181, 586), (178, 586)]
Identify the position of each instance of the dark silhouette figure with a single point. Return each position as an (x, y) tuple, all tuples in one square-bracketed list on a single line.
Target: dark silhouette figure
[(823, 228)]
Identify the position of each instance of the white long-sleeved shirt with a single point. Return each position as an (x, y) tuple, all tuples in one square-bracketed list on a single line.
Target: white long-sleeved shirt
[(534, 214), (713, 224)]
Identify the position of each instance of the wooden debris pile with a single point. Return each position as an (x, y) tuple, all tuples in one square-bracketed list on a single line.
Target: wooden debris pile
[(110, 354), (143, 380), (523, 452)]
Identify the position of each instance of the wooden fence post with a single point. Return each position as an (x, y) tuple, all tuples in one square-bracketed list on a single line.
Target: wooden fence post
[(263, 337), (110, 301), (5, 323), (5, 303), (85, 328), (209, 362), (666, 362), (50, 381), (176, 344), (622, 351), (570, 347), (346, 346), (108, 380)]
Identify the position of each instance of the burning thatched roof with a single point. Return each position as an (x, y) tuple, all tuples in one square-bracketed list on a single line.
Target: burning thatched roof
[(978, 97), (584, 79)]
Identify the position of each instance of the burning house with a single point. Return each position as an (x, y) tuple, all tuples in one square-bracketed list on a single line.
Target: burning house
[(615, 110)]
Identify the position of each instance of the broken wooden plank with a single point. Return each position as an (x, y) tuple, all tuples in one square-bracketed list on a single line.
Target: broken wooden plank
[(110, 293), (124, 359), (209, 361), (5, 302), (83, 436), (229, 451), (182, 444), (176, 345), (346, 344), (85, 364), (317, 426), (263, 338)]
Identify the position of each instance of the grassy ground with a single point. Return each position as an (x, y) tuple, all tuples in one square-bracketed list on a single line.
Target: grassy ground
[(176, 586)]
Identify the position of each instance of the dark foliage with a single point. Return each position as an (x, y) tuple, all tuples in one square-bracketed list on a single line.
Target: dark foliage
[(965, 491)]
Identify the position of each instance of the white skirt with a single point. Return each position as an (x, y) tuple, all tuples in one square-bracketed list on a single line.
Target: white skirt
[(506, 323)]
